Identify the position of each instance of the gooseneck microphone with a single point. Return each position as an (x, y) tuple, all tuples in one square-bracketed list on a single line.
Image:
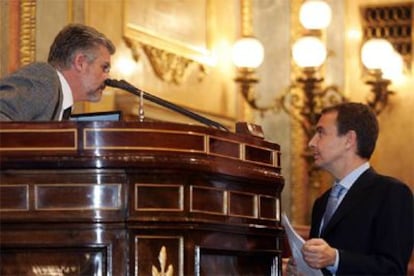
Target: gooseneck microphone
[(124, 85)]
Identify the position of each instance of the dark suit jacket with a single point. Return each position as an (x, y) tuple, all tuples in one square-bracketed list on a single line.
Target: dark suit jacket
[(373, 227), (33, 93)]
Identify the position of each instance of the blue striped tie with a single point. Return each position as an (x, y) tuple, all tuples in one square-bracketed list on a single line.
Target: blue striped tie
[(334, 196)]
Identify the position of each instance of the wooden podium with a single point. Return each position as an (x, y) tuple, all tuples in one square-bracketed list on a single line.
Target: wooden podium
[(130, 198)]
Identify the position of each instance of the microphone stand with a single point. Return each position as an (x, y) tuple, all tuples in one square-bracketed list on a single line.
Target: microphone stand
[(124, 85)]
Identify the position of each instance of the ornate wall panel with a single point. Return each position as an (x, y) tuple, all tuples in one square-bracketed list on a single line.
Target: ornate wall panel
[(176, 41), (27, 31), (132, 198), (393, 22)]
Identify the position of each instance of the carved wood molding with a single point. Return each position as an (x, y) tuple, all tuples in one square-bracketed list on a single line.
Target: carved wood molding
[(167, 66), (162, 258), (27, 47)]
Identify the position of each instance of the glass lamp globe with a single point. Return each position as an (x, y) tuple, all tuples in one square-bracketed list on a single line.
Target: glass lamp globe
[(315, 14), (309, 51), (375, 52), (247, 52), (394, 66)]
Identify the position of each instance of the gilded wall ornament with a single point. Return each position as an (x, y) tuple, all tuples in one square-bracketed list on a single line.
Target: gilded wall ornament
[(167, 66), (162, 258), (27, 31)]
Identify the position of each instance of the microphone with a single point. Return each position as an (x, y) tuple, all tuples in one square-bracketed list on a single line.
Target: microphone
[(124, 85)]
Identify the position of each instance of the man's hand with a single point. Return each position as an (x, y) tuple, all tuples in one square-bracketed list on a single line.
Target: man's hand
[(291, 269), (318, 254)]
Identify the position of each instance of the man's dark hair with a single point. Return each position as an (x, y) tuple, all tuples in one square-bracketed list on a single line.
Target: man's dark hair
[(76, 38), (361, 119)]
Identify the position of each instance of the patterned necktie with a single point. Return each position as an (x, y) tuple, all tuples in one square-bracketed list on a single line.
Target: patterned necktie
[(334, 196), (66, 113)]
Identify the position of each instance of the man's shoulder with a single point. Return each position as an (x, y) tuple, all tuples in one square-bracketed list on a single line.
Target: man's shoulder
[(383, 177), (38, 74), (388, 183), (36, 68)]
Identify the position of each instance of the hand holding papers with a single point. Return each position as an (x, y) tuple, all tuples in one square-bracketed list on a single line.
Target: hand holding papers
[(296, 242)]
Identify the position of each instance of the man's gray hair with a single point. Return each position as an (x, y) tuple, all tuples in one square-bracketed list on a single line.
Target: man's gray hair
[(76, 38)]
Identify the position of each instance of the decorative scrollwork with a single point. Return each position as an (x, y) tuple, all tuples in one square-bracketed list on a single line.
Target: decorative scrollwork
[(47, 270), (167, 66), (27, 31), (378, 100), (305, 100), (162, 258)]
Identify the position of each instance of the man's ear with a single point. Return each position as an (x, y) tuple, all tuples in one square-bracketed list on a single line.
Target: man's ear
[(79, 62), (351, 138)]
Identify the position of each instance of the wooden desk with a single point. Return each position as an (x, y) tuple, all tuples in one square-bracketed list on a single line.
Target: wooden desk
[(129, 198)]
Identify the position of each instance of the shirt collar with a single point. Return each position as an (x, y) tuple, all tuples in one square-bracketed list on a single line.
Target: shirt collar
[(349, 180), (67, 92)]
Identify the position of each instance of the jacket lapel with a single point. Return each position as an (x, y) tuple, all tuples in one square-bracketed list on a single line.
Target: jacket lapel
[(351, 199)]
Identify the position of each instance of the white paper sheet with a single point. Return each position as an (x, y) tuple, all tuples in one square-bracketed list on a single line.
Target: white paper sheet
[(296, 242)]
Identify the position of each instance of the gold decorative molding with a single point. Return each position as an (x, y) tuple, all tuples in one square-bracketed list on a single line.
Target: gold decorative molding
[(246, 30), (47, 270), (299, 187), (172, 49), (298, 172), (246, 18), (27, 31), (162, 258), (393, 22), (168, 66)]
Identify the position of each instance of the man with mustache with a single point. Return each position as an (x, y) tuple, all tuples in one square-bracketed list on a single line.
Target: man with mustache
[(79, 62), (371, 230)]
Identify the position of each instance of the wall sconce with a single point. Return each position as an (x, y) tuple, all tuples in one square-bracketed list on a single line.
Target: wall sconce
[(304, 101), (382, 63), (248, 52), (247, 55), (315, 14), (305, 104), (309, 53)]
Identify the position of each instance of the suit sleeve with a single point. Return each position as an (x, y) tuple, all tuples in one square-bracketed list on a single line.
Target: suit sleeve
[(16, 100), (392, 237), (30, 94)]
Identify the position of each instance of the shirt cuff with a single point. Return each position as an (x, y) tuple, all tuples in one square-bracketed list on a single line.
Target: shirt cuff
[(333, 268)]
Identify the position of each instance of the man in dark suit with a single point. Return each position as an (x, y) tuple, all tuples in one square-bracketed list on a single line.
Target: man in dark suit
[(371, 232), (78, 64)]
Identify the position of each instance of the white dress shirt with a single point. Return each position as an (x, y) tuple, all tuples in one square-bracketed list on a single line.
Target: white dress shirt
[(67, 94)]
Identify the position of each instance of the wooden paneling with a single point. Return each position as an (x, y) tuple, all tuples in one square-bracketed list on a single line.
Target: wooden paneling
[(137, 198)]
